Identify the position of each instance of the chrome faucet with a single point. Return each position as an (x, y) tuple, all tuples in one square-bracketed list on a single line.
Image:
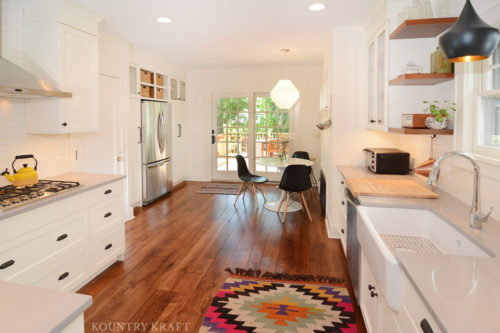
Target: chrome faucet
[(476, 218)]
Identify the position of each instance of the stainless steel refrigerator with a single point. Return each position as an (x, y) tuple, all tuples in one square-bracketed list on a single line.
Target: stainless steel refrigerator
[(156, 144)]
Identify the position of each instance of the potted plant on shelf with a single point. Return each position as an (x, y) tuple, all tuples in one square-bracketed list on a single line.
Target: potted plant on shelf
[(440, 112)]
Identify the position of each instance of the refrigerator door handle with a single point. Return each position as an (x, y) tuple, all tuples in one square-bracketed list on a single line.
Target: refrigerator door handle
[(179, 127), (140, 134), (161, 132)]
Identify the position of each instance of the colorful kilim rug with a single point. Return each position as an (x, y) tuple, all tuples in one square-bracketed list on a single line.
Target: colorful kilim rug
[(248, 304)]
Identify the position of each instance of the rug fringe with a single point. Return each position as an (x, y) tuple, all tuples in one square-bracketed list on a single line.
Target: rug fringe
[(284, 276)]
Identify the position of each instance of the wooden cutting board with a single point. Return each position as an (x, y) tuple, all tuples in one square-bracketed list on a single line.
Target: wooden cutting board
[(389, 188)]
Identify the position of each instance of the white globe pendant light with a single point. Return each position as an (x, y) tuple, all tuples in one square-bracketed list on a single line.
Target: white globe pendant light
[(284, 94)]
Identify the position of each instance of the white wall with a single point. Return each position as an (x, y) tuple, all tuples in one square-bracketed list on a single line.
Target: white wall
[(50, 150), (202, 84)]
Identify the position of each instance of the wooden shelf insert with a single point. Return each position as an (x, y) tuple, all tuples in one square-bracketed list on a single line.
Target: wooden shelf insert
[(423, 79), (423, 28), (421, 131)]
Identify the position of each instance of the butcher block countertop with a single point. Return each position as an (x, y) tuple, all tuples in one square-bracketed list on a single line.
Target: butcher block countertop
[(406, 188), (462, 293)]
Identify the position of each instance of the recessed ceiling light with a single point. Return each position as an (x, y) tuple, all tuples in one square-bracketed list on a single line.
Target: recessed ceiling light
[(164, 20), (316, 7)]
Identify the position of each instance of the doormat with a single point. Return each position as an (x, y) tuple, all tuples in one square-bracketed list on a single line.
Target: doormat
[(219, 188), (253, 302)]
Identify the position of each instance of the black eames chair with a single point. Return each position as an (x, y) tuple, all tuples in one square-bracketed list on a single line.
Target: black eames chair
[(305, 155), (248, 179), (295, 179)]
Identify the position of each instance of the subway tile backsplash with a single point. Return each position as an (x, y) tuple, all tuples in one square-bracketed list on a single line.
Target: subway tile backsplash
[(52, 151)]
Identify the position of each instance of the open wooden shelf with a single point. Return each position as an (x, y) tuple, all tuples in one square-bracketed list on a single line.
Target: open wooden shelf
[(421, 131), (423, 28), (421, 79)]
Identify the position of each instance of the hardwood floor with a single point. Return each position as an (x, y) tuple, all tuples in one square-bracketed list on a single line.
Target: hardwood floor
[(178, 247)]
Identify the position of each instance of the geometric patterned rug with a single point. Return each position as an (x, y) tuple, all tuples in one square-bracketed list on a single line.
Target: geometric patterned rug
[(248, 304)]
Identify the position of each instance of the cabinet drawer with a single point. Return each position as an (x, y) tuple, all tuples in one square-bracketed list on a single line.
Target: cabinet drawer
[(106, 215), (64, 275), (107, 248), (36, 248), (414, 313), (107, 191)]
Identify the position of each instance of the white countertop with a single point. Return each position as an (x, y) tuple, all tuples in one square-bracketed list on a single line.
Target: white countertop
[(463, 293), (31, 309), (87, 182)]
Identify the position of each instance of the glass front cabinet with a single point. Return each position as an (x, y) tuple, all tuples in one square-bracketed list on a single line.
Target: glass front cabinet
[(378, 54)]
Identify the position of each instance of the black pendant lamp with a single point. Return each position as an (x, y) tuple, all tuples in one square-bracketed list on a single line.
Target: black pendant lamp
[(470, 38)]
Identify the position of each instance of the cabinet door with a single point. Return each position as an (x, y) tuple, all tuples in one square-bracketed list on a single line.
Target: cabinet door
[(182, 90), (377, 79), (179, 121), (134, 87), (79, 75), (134, 151), (369, 298), (173, 89)]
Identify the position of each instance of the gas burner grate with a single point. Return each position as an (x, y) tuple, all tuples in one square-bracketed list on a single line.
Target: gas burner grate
[(12, 196)]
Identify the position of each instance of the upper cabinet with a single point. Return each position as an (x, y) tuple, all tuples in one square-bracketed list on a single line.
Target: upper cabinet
[(62, 50), (177, 89), (153, 85), (377, 79)]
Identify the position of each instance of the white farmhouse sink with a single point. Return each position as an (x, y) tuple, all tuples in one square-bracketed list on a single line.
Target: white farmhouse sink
[(376, 221)]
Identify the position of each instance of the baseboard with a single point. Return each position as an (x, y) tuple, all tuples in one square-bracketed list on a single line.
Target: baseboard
[(199, 177), (331, 230)]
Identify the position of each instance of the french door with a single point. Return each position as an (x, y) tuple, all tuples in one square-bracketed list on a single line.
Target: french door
[(248, 125)]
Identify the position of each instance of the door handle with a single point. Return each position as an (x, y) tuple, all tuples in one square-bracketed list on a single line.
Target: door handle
[(179, 127), (213, 139), (140, 134)]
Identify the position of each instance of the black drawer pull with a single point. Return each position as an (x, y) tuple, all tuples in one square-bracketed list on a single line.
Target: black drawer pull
[(372, 294), (64, 124), (108, 191), (63, 276), (343, 203), (426, 327), (108, 214), (107, 247), (63, 236), (342, 230), (342, 182), (370, 287), (7, 264)]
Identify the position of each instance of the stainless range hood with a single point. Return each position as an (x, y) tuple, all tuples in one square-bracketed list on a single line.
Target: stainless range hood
[(18, 83)]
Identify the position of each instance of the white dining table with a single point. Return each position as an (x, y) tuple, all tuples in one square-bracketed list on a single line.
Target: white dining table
[(293, 206)]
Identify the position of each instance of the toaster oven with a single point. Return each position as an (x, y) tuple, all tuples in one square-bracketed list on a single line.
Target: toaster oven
[(387, 160)]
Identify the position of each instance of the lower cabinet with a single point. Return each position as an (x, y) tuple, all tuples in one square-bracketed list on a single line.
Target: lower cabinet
[(414, 316), (64, 244)]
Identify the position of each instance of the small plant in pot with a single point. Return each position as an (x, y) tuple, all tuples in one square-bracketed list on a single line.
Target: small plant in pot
[(440, 112)]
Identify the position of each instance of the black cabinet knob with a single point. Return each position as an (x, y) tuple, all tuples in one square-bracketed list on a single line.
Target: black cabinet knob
[(107, 247), (63, 276), (370, 287), (108, 214), (373, 121), (342, 230), (373, 294), (343, 203), (342, 182), (64, 124), (108, 191)]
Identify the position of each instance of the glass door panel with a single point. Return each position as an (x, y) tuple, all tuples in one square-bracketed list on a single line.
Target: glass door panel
[(232, 135)]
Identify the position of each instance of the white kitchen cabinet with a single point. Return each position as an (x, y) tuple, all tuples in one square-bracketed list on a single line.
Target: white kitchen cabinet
[(64, 244), (133, 80), (66, 57), (177, 90), (134, 152), (368, 296), (378, 62), (380, 318), (179, 142)]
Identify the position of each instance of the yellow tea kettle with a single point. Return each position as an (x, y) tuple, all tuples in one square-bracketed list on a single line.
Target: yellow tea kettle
[(26, 176)]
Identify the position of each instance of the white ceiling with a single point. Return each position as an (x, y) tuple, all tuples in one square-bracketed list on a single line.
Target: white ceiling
[(225, 33)]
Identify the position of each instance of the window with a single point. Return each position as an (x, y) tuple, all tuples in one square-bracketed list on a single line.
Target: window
[(487, 136)]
